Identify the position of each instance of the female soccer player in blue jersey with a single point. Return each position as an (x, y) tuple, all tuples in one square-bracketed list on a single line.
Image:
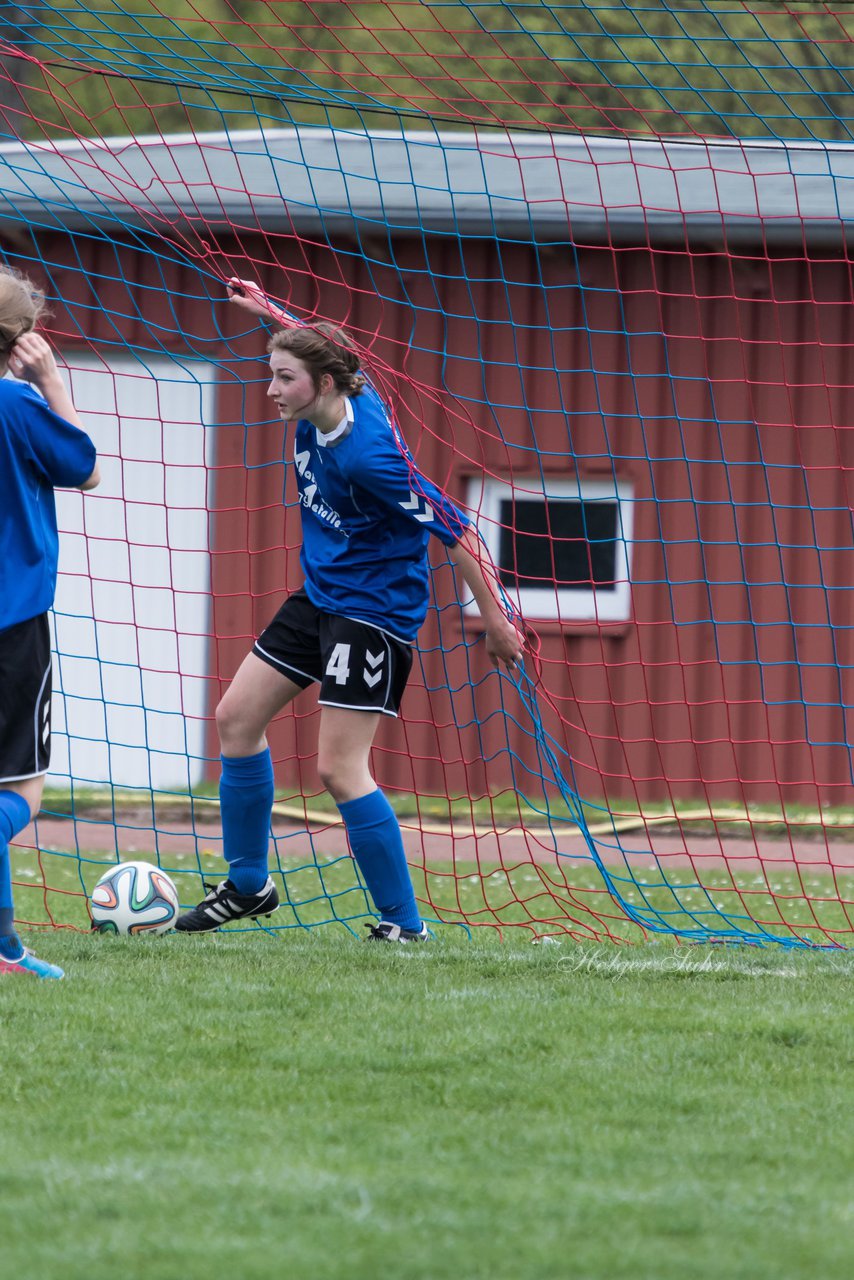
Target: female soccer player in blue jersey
[(42, 447), (367, 514)]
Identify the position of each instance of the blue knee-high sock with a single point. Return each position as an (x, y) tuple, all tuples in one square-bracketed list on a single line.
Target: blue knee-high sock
[(246, 800), (14, 816), (377, 846)]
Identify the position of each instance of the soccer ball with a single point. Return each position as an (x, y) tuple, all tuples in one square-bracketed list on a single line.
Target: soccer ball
[(134, 897)]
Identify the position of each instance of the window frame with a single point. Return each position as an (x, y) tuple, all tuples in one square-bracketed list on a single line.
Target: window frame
[(568, 604)]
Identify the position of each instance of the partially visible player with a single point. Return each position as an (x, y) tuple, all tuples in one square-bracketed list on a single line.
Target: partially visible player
[(367, 516), (42, 447)]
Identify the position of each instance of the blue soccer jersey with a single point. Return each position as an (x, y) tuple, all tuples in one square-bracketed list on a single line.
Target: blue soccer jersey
[(38, 452), (367, 516)]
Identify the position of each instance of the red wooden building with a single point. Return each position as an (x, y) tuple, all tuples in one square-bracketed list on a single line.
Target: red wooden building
[(662, 329)]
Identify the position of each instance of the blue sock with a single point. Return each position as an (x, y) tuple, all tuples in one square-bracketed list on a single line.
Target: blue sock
[(14, 816), (377, 846), (246, 800)]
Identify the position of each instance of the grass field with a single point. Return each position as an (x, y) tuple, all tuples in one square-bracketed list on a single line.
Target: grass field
[(306, 1105)]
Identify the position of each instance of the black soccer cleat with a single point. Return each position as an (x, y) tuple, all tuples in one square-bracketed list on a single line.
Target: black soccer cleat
[(385, 931), (224, 904)]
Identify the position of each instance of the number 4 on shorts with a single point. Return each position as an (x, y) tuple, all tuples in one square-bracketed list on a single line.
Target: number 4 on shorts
[(338, 664)]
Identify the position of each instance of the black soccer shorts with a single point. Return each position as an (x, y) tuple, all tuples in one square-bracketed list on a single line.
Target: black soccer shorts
[(358, 666), (25, 690)]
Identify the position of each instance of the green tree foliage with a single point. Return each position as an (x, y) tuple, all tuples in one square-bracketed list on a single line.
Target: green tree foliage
[(702, 67)]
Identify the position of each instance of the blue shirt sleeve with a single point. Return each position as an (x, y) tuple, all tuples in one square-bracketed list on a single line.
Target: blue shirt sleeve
[(63, 455), (389, 474)]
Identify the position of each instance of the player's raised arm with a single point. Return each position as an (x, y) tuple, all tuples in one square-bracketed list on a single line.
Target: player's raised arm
[(251, 297), (31, 358)]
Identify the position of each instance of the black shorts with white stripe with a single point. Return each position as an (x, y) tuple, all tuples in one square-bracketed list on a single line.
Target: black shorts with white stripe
[(25, 690), (357, 665)]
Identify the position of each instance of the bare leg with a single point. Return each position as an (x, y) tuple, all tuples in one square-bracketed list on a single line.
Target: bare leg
[(256, 694), (30, 788), (344, 751)]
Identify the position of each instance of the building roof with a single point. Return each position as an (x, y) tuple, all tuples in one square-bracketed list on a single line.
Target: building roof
[(550, 187)]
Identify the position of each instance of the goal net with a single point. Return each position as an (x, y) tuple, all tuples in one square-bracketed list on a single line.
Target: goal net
[(597, 261)]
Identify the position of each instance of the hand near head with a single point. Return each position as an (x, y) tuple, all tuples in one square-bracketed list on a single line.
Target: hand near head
[(248, 295), (252, 298), (31, 358)]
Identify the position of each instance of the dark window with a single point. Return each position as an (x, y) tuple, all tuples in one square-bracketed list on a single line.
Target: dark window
[(562, 542)]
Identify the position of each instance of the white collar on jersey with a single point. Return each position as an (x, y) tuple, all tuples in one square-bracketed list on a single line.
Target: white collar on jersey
[(326, 438)]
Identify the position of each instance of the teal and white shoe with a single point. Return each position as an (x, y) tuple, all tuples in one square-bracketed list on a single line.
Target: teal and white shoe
[(28, 963)]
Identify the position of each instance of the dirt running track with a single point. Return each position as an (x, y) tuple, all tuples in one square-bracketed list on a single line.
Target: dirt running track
[(178, 840)]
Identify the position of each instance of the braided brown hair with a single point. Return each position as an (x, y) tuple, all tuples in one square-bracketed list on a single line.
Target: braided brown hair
[(323, 349)]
